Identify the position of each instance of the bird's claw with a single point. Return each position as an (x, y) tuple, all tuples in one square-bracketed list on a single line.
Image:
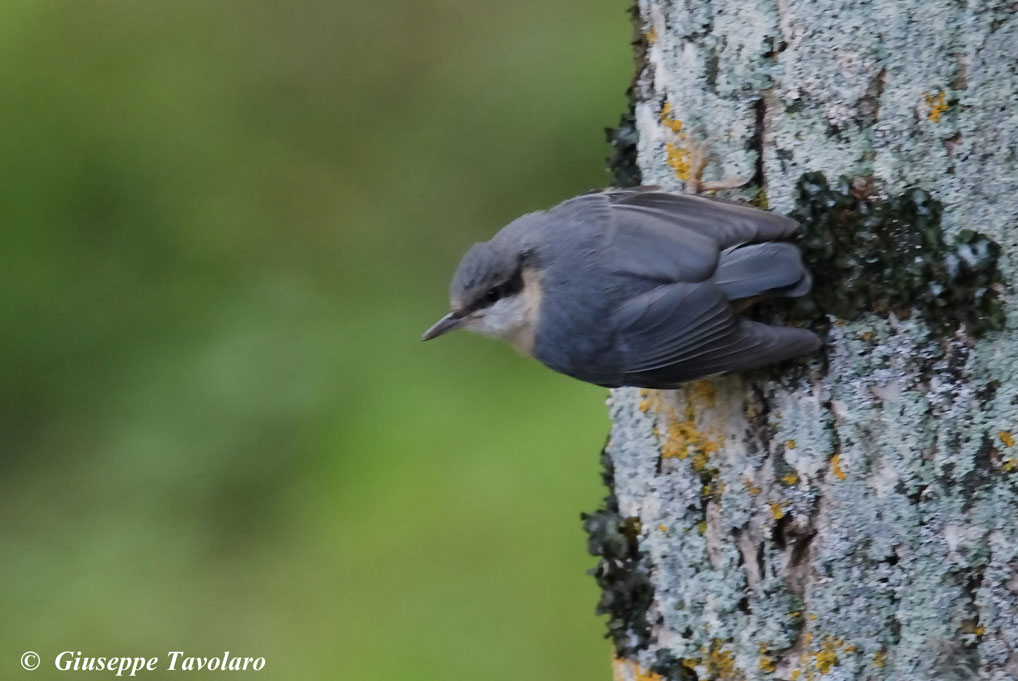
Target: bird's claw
[(697, 162)]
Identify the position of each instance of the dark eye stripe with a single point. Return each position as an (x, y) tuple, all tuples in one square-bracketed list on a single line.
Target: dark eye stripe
[(510, 287), (514, 285)]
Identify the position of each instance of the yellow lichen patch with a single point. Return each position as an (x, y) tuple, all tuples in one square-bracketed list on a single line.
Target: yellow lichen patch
[(878, 658), (704, 392), (811, 616), (669, 122), (651, 36), (700, 460), (701, 526), (627, 670), (650, 400), (750, 486), (677, 156), (970, 627), (826, 659), (681, 434), (767, 665), (760, 199), (1010, 464), (867, 335), (836, 467), (820, 661), (720, 663), (1006, 437), (690, 662), (790, 478), (777, 509), (790, 444), (678, 159), (684, 437), (663, 528), (646, 675), (938, 105)]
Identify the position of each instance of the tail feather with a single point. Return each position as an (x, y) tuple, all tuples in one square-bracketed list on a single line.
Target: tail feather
[(764, 269)]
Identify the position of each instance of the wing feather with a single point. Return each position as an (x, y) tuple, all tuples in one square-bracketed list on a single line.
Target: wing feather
[(724, 222), (685, 331), (648, 246)]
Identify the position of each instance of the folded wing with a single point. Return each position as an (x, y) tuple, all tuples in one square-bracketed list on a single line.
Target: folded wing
[(725, 223), (695, 256), (685, 331)]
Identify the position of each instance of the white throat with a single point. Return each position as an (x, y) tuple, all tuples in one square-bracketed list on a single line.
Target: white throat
[(512, 319)]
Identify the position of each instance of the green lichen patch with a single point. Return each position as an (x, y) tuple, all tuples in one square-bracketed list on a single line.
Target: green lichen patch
[(621, 572), (888, 254)]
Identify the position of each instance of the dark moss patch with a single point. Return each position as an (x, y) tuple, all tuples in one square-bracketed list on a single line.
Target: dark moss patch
[(622, 163), (621, 572), (888, 254), (670, 667)]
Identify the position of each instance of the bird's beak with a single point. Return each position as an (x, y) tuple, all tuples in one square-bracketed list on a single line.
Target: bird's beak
[(446, 323)]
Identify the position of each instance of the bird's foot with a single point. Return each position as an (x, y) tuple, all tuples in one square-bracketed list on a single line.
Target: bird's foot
[(695, 184)]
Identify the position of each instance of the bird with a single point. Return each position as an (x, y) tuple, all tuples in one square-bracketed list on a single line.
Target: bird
[(639, 287)]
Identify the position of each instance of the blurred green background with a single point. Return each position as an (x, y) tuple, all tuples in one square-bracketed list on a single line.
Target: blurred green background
[(225, 226)]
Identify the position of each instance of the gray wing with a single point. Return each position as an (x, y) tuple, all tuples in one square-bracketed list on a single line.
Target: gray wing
[(684, 331), (664, 237), (660, 246), (660, 237), (725, 223), (698, 254)]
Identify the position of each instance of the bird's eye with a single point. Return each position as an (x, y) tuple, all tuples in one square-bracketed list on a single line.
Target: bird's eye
[(493, 295)]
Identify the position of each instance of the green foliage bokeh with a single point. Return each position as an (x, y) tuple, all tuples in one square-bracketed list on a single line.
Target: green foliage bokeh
[(226, 225)]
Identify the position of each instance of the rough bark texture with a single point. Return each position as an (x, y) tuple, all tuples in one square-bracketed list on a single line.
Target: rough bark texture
[(854, 515)]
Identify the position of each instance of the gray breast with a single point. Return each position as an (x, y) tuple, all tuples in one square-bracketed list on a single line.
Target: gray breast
[(580, 292)]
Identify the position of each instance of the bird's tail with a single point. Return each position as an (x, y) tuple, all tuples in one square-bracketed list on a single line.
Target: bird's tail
[(773, 268)]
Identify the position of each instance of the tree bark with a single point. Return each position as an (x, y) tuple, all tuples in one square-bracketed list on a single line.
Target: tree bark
[(853, 515)]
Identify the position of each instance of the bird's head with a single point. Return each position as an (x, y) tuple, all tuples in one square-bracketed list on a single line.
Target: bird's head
[(496, 292)]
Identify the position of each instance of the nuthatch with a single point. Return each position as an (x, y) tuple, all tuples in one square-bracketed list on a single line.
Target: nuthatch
[(634, 287)]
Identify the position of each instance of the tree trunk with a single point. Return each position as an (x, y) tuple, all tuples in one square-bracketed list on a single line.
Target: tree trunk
[(853, 515)]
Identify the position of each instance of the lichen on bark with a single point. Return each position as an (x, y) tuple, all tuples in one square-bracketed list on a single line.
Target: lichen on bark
[(850, 515)]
